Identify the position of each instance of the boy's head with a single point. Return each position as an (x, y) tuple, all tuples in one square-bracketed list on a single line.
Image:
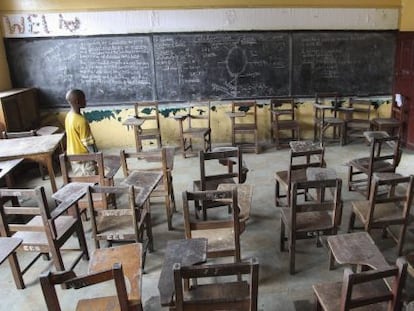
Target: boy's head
[(76, 98)]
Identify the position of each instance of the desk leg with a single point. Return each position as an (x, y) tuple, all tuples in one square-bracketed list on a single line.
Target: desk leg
[(51, 172)]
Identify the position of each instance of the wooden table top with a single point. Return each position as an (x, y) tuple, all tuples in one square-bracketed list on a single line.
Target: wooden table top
[(371, 135), (20, 147), (320, 173), (357, 249), (129, 256), (70, 190), (145, 181), (244, 198), (304, 145), (7, 166), (133, 121), (7, 246), (186, 252)]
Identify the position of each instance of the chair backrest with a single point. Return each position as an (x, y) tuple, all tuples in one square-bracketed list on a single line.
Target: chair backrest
[(393, 189), (250, 109), (210, 227), (384, 149), (160, 159), (282, 109), (149, 112), (369, 287), (99, 177), (69, 278), (326, 99), (198, 116), (211, 163), (327, 201), (226, 294), (9, 135), (301, 160), (115, 224), (361, 109)]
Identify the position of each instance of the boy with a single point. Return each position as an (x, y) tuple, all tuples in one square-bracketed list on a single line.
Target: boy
[(79, 138)]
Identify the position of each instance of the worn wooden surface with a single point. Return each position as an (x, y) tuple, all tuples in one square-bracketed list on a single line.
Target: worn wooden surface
[(304, 145), (244, 198), (8, 246), (7, 166), (129, 256), (320, 173), (357, 249), (186, 252), (146, 182), (36, 148), (371, 135), (70, 191)]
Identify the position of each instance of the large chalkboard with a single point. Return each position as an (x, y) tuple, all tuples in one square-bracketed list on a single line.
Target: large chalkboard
[(109, 69), (347, 62), (221, 65)]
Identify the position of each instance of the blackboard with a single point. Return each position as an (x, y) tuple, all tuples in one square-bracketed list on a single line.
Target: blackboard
[(110, 69), (122, 69), (345, 62), (221, 65)]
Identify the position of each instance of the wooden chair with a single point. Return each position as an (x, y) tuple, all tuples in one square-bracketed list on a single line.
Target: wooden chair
[(366, 290), (223, 233), (395, 123), (385, 155), (357, 119), (226, 294), (121, 264), (387, 206), (282, 119), (195, 124), (211, 172), (11, 135), (245, 123), (106, 168), (310, 218), (158, 160), (326, 115), (298, 163), (148, 111), (45, 233), (126, 223)]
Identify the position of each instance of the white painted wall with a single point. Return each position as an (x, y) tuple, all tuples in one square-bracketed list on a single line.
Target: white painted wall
[(153, 21)]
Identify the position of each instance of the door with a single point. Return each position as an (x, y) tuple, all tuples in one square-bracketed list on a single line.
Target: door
[(404, 83)]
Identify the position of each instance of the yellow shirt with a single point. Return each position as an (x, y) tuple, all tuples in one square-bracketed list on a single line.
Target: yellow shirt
[(78, 134)]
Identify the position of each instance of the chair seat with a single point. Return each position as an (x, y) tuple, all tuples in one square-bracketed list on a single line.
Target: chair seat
[(386, 121), (202, 131), (217, 292), (311, 221), (362, 164), (329, 295), (62, 223), (286, 124), (384, 212), (219, 240), (297, 175)]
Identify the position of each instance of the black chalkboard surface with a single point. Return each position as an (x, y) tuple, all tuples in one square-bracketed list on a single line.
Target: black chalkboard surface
[(220, 65), (345, 62), (110, 69)]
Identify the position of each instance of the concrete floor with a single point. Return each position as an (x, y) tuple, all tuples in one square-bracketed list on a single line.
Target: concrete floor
[(277, 289)]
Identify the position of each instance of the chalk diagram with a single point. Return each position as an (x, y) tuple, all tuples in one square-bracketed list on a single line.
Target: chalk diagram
[(236, 64)]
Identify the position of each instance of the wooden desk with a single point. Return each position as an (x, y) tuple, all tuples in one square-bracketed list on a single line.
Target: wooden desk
[(244, 198), (129, 256), (136, 124), (371, 135), (356, 249), (71, 190), (36, 148), (6, 167), (145, 181), (186, 252), (304, 145), (8, 246)]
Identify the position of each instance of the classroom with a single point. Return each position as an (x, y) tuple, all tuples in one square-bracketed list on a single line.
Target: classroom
[(271, 107)]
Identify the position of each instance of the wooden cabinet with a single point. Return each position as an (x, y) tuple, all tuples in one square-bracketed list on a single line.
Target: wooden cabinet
[(19, 110)]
